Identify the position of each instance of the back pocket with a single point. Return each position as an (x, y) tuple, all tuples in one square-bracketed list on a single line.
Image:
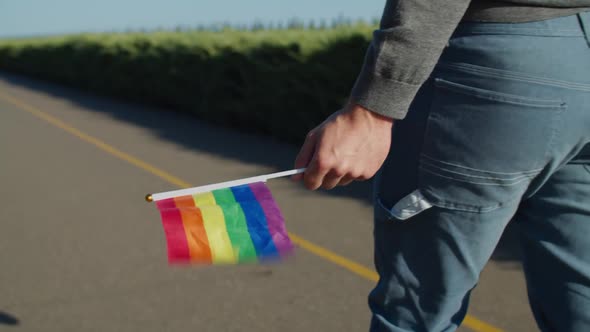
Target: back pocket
[(481, 148)]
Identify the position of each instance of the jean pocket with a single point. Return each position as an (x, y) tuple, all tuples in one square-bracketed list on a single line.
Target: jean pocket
[(409, 206), (481, 147)]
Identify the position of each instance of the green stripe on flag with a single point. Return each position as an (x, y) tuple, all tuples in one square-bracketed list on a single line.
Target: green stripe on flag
[(237, 228)]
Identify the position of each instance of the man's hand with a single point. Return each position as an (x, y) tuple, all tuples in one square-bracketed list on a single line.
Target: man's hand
[(351, 144)]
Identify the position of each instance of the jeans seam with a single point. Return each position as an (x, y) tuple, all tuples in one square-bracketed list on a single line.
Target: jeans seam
[(473, 182), (499, 73), (534, 171), (522, 175), (497, 96)]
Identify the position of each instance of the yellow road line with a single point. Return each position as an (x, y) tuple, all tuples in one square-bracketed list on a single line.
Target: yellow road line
[(469, 321), (335, 258), (478, 325), (96, 142)]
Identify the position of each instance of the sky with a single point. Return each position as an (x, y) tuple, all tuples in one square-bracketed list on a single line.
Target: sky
[(48, 17)]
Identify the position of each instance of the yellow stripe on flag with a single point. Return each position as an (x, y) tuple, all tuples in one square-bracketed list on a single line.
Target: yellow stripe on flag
[(204, 199), (221, 249)]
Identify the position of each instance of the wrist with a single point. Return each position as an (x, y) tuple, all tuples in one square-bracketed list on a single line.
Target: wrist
[(357, 110)]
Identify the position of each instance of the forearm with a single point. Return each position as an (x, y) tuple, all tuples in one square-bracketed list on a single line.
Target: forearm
[(403, 53)]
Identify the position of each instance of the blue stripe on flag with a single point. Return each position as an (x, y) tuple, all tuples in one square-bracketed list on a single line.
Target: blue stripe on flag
[(256, 220)]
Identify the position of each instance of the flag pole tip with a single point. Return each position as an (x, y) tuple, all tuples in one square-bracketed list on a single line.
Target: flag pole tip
[(149, 198)]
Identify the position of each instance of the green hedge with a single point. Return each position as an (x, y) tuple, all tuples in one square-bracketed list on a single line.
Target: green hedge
[(278, 82)]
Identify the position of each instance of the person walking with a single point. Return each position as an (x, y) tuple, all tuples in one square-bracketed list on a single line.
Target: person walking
[(471, 114)]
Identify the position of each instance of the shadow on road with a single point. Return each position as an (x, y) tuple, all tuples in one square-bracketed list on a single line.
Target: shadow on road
[(188, 131), (7, 319)]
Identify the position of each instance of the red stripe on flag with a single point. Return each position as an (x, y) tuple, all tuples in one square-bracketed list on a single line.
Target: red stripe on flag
[(178, 250), (196, 236)]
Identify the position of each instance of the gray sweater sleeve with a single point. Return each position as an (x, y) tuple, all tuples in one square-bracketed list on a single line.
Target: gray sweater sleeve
[(403, 53)]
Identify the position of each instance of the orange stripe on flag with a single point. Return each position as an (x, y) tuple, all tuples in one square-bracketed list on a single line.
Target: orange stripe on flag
[(196, 236), (184, 202)]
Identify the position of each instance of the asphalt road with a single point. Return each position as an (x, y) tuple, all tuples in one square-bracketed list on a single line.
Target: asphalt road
[(81, 251)]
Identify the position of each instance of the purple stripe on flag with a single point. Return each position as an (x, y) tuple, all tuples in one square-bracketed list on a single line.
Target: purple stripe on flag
[(274, 218)]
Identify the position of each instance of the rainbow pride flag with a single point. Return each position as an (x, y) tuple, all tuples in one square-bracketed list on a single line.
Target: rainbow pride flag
[(233, 225)]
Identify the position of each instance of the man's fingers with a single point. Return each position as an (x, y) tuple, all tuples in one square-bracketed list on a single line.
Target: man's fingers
[(332, 179), (315, 173), (305, 154), (346, 180)]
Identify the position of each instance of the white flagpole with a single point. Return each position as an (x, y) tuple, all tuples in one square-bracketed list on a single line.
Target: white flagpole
[(215, 186)]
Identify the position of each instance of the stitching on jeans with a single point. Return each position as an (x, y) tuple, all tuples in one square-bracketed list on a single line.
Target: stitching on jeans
[(479, 170), (497, 96), (508, 74), (479, 177), (521, 175), (473, 182), (499, 73)]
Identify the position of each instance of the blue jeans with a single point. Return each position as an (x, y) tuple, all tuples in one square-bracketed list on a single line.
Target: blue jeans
[(500, 132)]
